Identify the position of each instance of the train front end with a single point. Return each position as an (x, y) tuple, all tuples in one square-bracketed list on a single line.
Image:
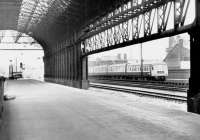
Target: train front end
[(159, 71)]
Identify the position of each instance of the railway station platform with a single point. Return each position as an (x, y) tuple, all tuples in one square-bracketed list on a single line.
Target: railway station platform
[(46, 111)]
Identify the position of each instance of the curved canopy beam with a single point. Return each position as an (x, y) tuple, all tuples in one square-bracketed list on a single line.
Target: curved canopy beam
[(50, 21)]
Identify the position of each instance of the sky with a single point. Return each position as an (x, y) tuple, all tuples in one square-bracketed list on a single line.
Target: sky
[(152, 50)]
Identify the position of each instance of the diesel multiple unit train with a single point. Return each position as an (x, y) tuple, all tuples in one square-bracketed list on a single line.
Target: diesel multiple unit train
[(155, 71)]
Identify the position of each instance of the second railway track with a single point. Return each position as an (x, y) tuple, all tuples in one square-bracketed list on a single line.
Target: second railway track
[(174, 97), (145, 84)]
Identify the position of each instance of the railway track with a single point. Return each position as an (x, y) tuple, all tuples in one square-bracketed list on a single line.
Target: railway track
[(174, 97), (146, 84)]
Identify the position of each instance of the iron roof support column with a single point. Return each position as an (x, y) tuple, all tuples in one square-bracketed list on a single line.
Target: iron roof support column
[(80, 68), (194, 86), (45, 67), (59, 67), (84, 68), (62, 65), (59, 64), (68, 66), (72, 65), (59, 71), (48, 75), (56, 68), (53, 66), (49, 69), (76, 80)]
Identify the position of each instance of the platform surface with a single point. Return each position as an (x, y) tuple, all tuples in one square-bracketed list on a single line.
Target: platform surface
[(44, 111)]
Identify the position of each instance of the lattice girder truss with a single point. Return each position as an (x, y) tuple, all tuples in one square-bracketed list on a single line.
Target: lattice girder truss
[(136, 21)]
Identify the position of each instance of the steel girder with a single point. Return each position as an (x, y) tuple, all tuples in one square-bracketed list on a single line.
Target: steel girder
[(134, 22)]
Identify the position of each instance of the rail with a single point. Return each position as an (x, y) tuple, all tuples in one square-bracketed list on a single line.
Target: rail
[(174, 97)]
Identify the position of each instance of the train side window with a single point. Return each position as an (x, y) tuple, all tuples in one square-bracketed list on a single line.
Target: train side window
[(152, 68)]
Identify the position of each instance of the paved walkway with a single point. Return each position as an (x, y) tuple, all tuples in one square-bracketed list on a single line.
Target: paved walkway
[(44, 111)]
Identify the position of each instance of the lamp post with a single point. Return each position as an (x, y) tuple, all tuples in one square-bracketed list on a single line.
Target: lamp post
[(141, 59)]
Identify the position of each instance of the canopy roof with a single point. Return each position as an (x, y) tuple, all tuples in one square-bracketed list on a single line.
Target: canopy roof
[(50, 21)]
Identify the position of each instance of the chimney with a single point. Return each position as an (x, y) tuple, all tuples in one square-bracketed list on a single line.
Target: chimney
[(119, 56), (125, 56), (180, 43)]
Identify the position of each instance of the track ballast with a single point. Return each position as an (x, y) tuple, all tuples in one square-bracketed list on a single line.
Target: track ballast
[(157, 94)]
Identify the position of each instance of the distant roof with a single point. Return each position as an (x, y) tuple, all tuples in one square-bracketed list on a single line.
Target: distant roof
[(174, 53)]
